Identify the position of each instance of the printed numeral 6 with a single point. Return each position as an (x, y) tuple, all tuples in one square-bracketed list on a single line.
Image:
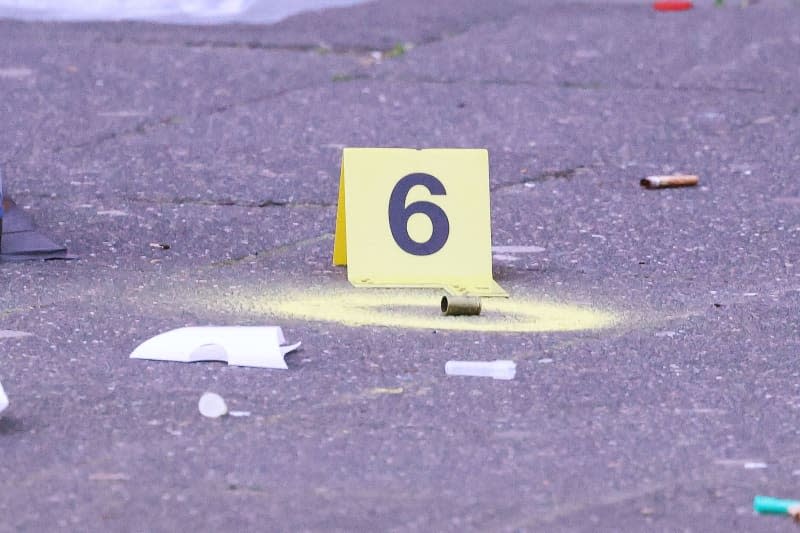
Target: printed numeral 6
[(399, 213)]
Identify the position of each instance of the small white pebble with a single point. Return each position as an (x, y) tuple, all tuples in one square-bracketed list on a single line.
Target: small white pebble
[(212, 405)]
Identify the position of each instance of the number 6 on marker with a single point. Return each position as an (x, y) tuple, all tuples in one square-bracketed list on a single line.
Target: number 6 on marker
[(380, 191), (399, 213)]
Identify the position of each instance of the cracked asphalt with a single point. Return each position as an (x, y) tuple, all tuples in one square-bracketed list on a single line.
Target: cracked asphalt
[(225, 142)]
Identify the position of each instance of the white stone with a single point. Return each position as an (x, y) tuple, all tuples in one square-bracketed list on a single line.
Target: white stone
[(212, 405)]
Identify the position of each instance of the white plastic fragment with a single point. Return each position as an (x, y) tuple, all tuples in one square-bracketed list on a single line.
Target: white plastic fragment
[(504, 257), (3, 399), (517, 249), (12, 334), (509, 253), (257, 346), (212, 405), (500, 369)]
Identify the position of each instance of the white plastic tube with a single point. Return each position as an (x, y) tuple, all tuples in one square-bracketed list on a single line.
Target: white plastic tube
[(500, 369)]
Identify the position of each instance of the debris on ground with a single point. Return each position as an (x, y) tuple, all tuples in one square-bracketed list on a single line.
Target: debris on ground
[(768, 505), (256, 346), (675, 180), (212, 405), (499, 369), (13, 334), (386, 390), (672, 5), (511, 253), (510, 249), (460, 305), (3, 399)]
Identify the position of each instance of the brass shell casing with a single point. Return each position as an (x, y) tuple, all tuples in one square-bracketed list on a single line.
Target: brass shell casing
[(460, 305)]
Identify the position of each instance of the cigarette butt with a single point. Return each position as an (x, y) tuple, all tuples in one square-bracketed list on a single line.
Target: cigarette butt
[(461, 305), (794, 512), (768, 505), (676, 180)]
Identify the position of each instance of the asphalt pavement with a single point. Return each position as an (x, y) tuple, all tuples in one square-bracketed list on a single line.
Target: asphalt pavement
[(224, 143)]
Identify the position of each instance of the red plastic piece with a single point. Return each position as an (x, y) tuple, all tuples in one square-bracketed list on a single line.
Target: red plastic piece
[(672, 5)]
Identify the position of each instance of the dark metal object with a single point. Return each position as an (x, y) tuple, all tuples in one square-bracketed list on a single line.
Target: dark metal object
[(460, 305)]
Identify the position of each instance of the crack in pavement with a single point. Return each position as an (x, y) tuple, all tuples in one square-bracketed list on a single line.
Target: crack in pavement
[(269, 252), (139, 129), (227, 202), (216, 202), (324, 48), (143, 127), (546, 175), (321, 48), (568, 84)]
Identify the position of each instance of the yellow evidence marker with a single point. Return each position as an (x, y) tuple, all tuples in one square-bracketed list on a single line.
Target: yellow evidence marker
[(416, 218)]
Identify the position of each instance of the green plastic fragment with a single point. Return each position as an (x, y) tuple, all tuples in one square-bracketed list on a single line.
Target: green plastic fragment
[(767, 505)]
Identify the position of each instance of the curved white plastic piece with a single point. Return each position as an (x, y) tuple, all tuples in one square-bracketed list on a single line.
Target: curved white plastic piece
[(500, 369), (3, 399), (258, 346)]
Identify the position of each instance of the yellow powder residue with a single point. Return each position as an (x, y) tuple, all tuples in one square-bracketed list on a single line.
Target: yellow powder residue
[(419, 309)]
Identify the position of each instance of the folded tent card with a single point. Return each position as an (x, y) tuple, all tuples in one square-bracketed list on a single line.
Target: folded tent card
[(256, 346), (20, 240)]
